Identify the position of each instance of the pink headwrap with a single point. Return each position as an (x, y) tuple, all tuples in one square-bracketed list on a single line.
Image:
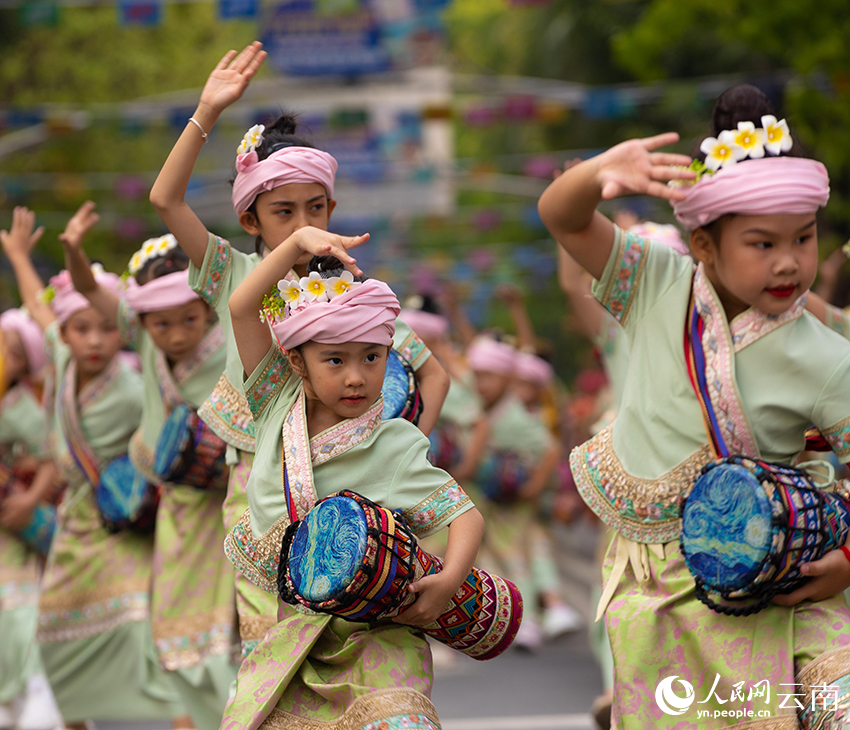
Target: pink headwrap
[(289, 165), (425, 324), (366, 313), (490, 356), (18, 320), (165, 292), (766, 186), (67, 301), (663, 233), (534, 369)]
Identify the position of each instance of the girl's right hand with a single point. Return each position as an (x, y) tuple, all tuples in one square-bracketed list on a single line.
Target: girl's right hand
[(77, 228), (632, 168), (21, 239), (231, 77), (317, 242)]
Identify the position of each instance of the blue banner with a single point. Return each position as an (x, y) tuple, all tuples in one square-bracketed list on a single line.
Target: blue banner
[(301, 41), (233, 9)]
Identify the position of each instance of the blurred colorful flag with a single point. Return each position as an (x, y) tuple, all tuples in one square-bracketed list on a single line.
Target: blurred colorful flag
[(135, 12), (232, 9)]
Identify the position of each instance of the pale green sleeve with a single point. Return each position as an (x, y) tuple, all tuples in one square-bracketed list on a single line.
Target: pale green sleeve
[(429, 498), (128, 326), (637, 274), (272, 379), (831, 413), (838, 320), (24, 422), (224, 268), (407, 343)]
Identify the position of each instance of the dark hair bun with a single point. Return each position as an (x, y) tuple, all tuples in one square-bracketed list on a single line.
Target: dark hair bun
[(175, 260), (328, 267), (281, 133), (742, 103)]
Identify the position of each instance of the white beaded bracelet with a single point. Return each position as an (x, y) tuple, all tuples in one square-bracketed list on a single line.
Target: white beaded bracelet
[(198, 125)]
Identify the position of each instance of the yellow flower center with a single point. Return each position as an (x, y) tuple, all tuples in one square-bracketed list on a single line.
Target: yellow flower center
[(774, 134), (316, 287), (745, 139), (722, 151)]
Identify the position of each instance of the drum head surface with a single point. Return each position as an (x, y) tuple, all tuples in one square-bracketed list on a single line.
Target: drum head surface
[(727, 527), (328, 549), (396, 387), (172, 440), (122, 488)]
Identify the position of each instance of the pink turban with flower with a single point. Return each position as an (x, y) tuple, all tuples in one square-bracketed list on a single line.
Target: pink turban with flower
[(425, 324), (164, 292), (19, 320), (489, 356), (534, 369), (67, 301), (288, 165), (766, 186), (365, 313)]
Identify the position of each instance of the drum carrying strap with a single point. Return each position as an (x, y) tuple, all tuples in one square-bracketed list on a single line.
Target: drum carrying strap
[(79, 448)]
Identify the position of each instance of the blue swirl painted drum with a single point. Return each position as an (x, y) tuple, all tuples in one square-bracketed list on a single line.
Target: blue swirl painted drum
[(328, 549), (121, 492), (172, 441), (396, 388), (727, 527)]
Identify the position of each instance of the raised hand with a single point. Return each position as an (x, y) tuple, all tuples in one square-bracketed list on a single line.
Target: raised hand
[(231, 77), (633, 168), (317, 242), (510, 294), (79, 225), (22, 237)]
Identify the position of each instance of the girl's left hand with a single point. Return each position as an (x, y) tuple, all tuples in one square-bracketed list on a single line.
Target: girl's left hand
[(83, 221), (318, 242), (435, 592), (20, 240), (830, 576)]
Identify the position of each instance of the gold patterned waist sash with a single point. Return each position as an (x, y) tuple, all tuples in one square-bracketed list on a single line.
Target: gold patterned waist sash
[(227, 413)]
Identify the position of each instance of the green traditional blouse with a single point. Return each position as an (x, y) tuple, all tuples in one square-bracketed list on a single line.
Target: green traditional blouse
[(778, 376), (190, 382), (109, 407), (383, 461), (23, 423)]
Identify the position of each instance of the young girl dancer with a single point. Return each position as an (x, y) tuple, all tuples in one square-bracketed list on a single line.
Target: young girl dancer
[(182, 353), (25, 698), (282, 184), (317, 409), (776, 370), (94, 609), (521, 440)]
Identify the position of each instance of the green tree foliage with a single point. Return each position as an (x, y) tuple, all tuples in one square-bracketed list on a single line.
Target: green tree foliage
[(89, 57), (676, 40)]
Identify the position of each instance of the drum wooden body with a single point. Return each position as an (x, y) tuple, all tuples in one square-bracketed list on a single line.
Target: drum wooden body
[(401, 393), (354, 559), (748, 526), (125, 499), (189, 453)]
